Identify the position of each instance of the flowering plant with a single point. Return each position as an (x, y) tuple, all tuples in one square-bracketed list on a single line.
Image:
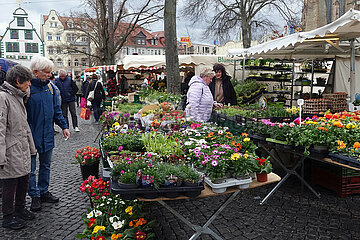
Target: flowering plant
[(111, 217), (87, 155), (262, 165)]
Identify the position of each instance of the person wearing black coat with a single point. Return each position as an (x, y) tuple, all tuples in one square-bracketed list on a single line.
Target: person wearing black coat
[(99, 95), (221, 87)]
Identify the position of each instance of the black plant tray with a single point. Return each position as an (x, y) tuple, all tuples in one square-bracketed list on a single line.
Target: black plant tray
[(151, 193), (345, 159)]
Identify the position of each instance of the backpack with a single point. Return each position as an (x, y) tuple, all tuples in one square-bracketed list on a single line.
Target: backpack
[(28, 92)]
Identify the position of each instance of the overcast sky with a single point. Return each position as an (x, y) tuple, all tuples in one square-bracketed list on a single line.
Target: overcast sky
[(36, 8)]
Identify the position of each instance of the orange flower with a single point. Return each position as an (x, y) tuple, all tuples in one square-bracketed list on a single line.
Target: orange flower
[(244, 134), (338, 124), (233, 143), (322, 128), (213, 138), (210, 134), (341, 145), (356, 145)]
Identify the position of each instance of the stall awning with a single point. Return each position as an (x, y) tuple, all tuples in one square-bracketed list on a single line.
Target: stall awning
[(324, 42), (104, 68), (146, 61)]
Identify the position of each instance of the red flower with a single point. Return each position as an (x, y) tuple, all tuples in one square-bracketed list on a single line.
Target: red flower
[(140, 235)]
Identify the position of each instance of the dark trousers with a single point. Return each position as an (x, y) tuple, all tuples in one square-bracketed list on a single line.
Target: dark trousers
[(96, 109), (78, 99), (14, 190), (71, 106)]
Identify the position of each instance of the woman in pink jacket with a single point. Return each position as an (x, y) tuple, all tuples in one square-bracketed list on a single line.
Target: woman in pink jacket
[(200, 101)]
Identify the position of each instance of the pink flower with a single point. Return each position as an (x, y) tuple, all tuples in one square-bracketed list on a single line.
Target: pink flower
[(122, 171), (120, 148), (214, 163)]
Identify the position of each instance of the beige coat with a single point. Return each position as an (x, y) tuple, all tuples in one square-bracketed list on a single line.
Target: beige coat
[(16, 141)]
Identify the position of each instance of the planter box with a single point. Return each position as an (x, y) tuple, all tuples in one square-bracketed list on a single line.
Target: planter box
[(229, 182), (151, 193)]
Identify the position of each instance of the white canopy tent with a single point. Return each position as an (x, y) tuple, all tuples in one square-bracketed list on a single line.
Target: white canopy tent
[(320, 43), (198, 61)]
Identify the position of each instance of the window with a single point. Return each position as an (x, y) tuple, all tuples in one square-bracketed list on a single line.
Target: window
[(69, 63), (12, 47), (51, 50), (73, 37), (68, 37), (53, 18), (58, 37), (28, 34), (14, 34), (58, 50), (143, 42), (51, 24), (76, 63), (84, 25), (20, 22), (50, 36), (70, 25), (55, 24), (84, 50), (31, 48), (83, 62), (84, 39), (59, 62)]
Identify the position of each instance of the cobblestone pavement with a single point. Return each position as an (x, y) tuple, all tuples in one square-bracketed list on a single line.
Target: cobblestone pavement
[(288, 214)]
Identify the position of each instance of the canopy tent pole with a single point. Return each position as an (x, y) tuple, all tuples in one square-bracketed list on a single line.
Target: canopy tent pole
[(353, 83)]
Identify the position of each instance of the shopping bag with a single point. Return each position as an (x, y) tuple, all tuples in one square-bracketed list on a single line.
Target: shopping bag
[(83, 102), (85, 113)]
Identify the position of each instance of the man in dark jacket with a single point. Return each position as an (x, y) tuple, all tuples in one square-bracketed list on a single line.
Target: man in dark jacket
[(43, 109), (221, 87), (68, 90), (98, 96)]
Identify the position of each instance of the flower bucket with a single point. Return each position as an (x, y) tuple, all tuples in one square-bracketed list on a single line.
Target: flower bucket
[(261, 177), (90, 170)]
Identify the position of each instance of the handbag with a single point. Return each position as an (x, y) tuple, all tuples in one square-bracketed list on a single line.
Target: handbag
[(91, 95), (85, 113), (83, 102)]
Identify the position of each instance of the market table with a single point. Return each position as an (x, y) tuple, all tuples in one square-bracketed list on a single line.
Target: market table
[(268, 146), (207, 192)]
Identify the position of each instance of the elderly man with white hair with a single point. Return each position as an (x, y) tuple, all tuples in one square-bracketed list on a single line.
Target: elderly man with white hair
[(43, 109), (68, 90)]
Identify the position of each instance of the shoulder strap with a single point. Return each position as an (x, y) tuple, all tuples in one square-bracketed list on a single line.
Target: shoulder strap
[(28, 92)]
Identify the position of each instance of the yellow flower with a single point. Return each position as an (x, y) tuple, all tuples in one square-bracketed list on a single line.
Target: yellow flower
[(115, 236), (97, 228), (246, 155), (246, 139), (128, 210), (115, 124), (235, 156)]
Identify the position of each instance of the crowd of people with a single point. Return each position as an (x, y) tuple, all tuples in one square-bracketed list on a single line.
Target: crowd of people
[(32, 101)]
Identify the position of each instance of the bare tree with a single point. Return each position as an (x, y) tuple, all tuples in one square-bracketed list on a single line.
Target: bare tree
[(108, 24), (231, 15), (172, 60)]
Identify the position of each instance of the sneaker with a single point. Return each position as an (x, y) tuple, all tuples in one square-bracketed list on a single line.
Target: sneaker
[(35, 204), (48, 197), (24, 214), (77, 129)]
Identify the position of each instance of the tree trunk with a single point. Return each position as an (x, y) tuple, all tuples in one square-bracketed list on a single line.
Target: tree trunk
[(172, 60), (246, 33), (110, 46)]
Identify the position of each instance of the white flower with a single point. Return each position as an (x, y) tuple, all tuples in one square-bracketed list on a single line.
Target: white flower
[(220, 132), (118, 224), (98, 213), (198, 134), (111, 219), (202, 141), (122, 202), (103, 197), (102, 204), (188, 143), (90, 214)]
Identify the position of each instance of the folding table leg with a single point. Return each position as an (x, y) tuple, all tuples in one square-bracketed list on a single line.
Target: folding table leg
[(204, 229), (288, 173)]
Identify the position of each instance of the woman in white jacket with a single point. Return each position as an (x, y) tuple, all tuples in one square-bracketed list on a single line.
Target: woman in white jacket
[(199, 98)]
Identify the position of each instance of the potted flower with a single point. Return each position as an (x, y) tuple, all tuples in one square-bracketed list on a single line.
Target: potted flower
[(262, 167), (88, 158)]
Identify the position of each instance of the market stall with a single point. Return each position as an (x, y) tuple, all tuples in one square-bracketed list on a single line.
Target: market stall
[(329, 41)]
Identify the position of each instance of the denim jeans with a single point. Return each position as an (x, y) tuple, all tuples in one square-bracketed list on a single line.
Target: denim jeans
[(40, 187), (96, 109)]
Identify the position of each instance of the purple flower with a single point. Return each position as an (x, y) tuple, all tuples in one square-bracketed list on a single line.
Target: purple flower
[(215, 145), (120, 148), (216, 156), (149, 155), (214, 163), (215, 151), (203, 162)]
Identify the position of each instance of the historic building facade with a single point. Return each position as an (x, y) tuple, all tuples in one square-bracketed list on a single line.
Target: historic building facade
[(20, 41), (318, 13)]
